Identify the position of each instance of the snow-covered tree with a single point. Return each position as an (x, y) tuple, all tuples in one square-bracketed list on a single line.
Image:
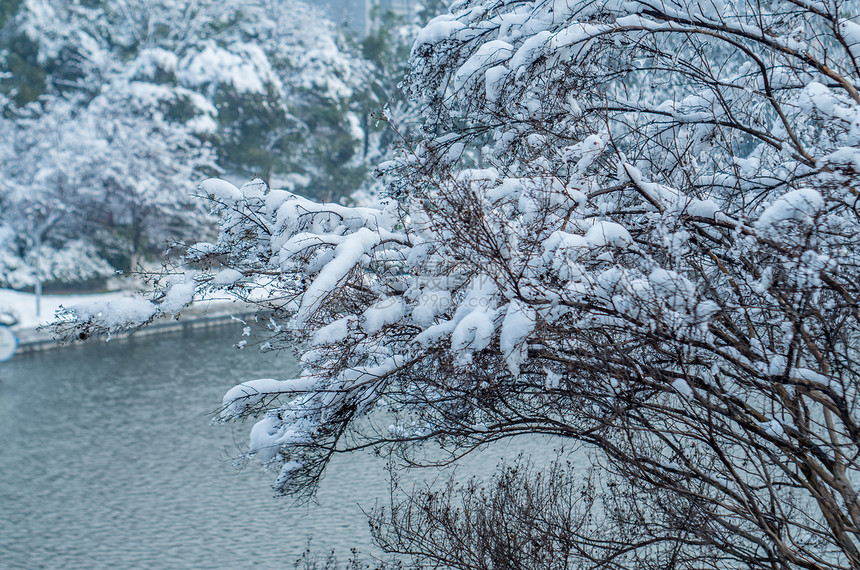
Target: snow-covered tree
[(118, 104), (111, 175), (35, 214), (631, 225), (280, 82)]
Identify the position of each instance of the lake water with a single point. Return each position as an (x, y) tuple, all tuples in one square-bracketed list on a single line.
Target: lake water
[(108, 460)]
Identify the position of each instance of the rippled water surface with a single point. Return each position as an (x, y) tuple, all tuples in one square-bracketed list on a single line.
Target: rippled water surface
[(108, 461)]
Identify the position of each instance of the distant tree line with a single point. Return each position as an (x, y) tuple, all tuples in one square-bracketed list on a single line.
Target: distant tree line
[(113, 111)]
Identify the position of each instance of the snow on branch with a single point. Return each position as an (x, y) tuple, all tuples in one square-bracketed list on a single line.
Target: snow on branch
[(629, 224)]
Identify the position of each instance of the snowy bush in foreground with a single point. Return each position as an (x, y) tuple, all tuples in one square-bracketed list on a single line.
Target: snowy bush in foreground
[(628, 224)]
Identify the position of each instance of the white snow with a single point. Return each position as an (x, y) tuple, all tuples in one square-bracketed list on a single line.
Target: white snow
[(384, 312), (678, 291), (473, 333), (221, 190), (226, 277), (608, 233), (430, 303), (287, 471), (116, 313), (494, 78), (851, 32), (333, 332), (346, 256), (263, 438), (488, 55), (799, 205), (438, 29), (773, 428), (178, 296), (241, 397), (244, 66), (530, 50), (151, 60), (518, 324), (434, 333), (553, 379), (22, 306)]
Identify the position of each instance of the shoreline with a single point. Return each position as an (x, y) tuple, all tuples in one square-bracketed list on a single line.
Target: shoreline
[(31, 341), (200, 315)]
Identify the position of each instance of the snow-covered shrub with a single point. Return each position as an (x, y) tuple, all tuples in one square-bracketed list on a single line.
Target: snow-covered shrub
[(630, 224)]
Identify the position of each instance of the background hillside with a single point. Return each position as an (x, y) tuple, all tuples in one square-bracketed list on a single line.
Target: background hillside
[(112, 111)]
